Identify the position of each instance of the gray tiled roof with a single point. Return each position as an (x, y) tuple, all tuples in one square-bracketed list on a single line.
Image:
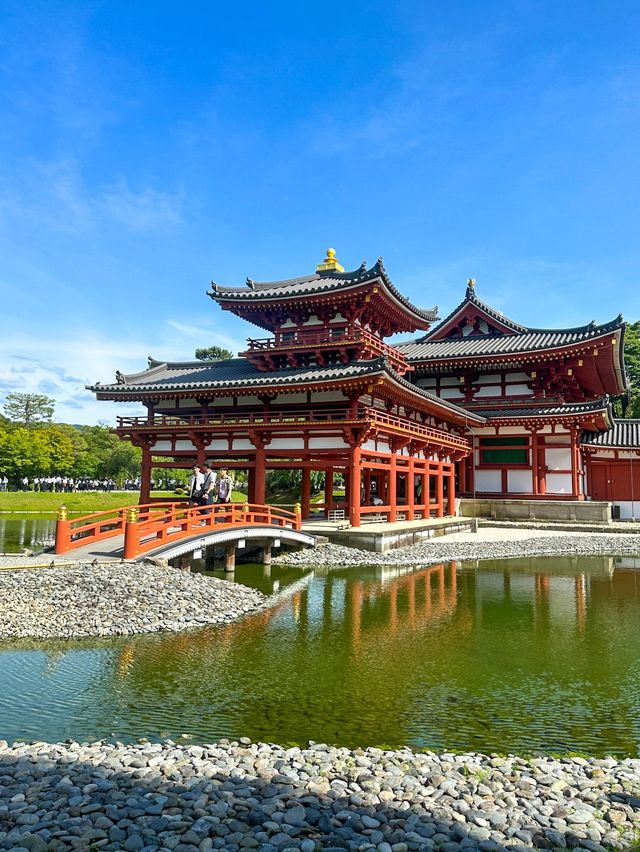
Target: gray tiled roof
[(471, 298), (625, 433), (237, 373), (319, 282), (546, 411), (531, 339)]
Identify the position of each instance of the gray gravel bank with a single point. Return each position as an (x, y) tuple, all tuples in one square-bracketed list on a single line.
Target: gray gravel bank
[(115, 600), (246, 795), (438, 550)]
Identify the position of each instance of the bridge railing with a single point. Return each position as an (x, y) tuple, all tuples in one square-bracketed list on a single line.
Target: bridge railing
[(144, 534), (72, 533)]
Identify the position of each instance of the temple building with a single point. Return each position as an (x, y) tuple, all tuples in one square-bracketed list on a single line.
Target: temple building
[(477, 404)]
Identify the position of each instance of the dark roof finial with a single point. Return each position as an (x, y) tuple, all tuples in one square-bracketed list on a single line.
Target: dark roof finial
[(471, 287)]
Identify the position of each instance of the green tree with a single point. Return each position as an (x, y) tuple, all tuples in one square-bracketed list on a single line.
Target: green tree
[(632, 363), (213, 353), (29, 408), (23, 452)]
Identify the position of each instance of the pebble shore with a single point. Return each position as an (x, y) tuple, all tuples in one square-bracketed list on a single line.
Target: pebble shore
[(471, 546), (243, 795), (115, 600)]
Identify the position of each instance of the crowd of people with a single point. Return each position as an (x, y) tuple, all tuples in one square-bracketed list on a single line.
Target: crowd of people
[(70, 484)]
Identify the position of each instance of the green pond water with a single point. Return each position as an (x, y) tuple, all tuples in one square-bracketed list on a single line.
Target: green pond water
[(514, 655), (30, 531)]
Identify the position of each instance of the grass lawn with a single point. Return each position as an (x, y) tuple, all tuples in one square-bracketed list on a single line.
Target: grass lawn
[(83, 501)]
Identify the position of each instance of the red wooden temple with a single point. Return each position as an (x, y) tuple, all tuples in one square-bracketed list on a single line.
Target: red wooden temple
[(478, 404)]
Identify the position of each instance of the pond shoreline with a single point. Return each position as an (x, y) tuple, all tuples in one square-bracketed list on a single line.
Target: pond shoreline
[(487, 543), (242, 794)]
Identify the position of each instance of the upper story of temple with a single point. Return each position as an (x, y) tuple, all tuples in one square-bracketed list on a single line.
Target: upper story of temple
[(328, 332), (328, 317)]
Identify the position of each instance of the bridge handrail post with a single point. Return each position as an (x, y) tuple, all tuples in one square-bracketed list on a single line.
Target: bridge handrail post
[(131, 534), (63, 531), (297, 510)]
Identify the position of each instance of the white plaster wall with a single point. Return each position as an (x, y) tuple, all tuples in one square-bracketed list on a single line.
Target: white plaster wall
[(426, 383), (242, 444), (561, 439), (628, 509), (313, 320), (513, 430), (283, 444), (331, 444), (449, 381), (514, 390), (219, 444), (488, 480), (519, 482), (558, 483), (451, 393), (185, 445), (165, 405), (605, 454), (558, 459), (338, 318), (490, 390), (489, 379), (383, 447), (188, 403), (162, 445)]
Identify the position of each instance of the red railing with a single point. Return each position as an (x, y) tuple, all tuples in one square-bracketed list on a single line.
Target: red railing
[(176, 524), (237, 419), (150, 526), (287, 340), (365, 414), (78, 532), (382, 418)]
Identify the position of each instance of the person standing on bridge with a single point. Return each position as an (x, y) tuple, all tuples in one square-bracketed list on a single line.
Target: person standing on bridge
[(195, 485), (209, 484), (225, 486)]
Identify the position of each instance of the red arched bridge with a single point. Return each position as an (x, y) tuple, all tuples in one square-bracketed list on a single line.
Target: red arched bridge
[(171, 529)]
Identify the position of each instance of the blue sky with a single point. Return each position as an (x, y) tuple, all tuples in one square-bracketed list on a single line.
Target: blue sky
[(149, 147)]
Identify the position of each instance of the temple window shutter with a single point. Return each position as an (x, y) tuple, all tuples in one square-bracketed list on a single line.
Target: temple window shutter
[(506, 450)]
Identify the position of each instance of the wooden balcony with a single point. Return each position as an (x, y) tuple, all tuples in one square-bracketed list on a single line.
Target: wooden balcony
[(269, 352), (294, 420)]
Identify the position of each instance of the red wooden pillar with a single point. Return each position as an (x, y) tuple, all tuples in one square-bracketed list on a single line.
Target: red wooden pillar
[(534, 462), (145, 476), (306, 492), (392, 498), (575, 464), (462, 476), (411, 493), (259, 476), (451, 507), (354, 486), (541, 472), (425, 491), (328, 489), (439, 491)]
